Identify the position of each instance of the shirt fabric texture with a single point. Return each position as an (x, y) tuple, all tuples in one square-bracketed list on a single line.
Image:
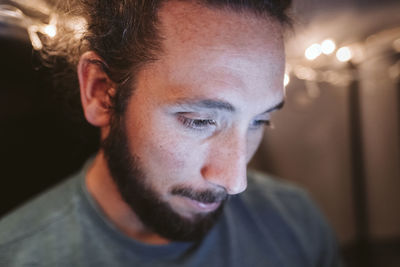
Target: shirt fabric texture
[(271, 224)]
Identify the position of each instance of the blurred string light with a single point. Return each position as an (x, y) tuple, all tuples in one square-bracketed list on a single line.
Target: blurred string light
[(344, 54), (38, 7), (313, 51), (15, 16), (330, 67), (8, 11), (328, 46), (50, 29), (315, 73), (36, 28), (33, 36)]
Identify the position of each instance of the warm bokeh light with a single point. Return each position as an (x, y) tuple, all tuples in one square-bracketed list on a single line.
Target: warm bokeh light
[(35, 40), (328, 46), (286, 80), (50, 30), (313, 51), (344, 54), (78, 25), (304, 73)]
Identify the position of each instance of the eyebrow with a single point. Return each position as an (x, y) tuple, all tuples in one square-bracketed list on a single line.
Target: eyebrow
[(208, 104), (276, 107), (220, 105)]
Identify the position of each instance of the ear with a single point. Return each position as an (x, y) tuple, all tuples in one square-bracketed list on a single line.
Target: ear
[(96, 89)]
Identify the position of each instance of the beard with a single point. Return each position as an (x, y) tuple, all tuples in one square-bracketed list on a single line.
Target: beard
[(152, 211)]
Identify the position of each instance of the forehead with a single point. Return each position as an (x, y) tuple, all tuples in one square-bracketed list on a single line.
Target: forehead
[(218, 53), (184, 23)]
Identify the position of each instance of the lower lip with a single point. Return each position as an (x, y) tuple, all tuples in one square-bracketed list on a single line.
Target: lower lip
[(202, 207)]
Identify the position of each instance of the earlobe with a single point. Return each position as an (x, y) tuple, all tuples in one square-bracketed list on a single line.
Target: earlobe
[(96, 89)]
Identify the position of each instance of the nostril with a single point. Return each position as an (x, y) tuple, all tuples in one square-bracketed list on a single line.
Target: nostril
[(204, 172)]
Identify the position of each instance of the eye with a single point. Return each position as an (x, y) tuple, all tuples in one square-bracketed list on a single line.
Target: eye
[(259, 124), (196, 124)]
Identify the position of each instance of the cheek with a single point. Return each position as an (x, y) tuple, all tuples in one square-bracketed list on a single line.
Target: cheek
[(166, 154), (169, 157), (152, 142)]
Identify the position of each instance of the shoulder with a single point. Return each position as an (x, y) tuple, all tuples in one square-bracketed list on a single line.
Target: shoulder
[(271, 195), (288, 213), (277, 192), (39, 214)]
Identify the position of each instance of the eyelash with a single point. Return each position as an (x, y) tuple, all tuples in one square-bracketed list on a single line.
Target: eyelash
[(259, 123), (196, 124), (202, 124)]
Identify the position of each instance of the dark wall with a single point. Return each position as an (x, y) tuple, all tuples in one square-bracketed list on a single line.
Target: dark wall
[(39, 144)]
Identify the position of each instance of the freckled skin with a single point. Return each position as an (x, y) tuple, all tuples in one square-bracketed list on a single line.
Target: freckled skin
[(207, 54), (241, 65)]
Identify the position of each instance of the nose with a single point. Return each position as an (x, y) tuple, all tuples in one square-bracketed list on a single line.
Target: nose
[(226, 164)]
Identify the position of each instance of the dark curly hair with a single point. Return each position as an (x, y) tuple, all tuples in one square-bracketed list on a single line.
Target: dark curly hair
[(124, 33)]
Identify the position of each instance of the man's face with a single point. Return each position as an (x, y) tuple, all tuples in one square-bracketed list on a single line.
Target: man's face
[(196, 116)]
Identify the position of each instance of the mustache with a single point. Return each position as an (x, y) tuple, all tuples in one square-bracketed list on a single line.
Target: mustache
[(207, 196)]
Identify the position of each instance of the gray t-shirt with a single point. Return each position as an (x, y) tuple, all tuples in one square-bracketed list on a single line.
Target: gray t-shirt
[(272, 224)]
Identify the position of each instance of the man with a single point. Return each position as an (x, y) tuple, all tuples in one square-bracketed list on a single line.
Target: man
[(181, 91)]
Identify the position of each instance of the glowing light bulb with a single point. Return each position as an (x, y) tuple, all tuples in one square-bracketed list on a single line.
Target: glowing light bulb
[(286, 80), (313, 51), (328, 46), (344, 54), (50, 30)]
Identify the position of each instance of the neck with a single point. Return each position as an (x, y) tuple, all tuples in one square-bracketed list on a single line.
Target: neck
[(103, 189)]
